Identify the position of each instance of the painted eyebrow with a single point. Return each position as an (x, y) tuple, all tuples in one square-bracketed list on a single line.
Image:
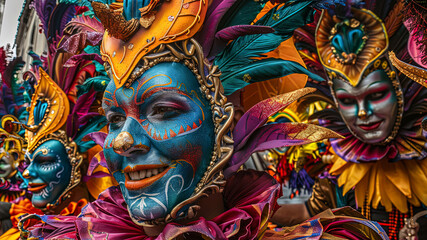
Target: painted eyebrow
[(114, 109), (146, 95), (341, 89), (35, 154), (377, 82)]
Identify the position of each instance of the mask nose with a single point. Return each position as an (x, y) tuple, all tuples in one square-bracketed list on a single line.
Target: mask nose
[(29, 174), (125, 143), (363, 112)]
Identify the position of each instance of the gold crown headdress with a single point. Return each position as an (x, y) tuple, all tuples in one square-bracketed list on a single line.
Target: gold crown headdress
[(48, 111), (343, 50)]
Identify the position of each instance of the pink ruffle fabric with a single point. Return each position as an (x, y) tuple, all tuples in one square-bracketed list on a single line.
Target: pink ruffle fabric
[(342, 223), (249, 196)]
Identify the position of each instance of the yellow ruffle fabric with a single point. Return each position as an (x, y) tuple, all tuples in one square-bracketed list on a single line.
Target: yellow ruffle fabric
[(393, 184)]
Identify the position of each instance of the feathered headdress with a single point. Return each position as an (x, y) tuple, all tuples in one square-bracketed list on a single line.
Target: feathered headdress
[(67, 95)]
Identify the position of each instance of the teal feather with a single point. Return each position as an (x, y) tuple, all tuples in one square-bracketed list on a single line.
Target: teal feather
[(263, 70), (94, 125), (99, 67), (241, 13), (98, 83), (243, 51)]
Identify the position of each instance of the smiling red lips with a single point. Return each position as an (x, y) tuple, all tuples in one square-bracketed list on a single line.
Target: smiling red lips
[(370, 127), (141, 176), (36, 187)]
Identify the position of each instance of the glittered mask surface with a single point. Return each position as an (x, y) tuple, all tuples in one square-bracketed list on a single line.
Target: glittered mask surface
[(160, 140), (49, 173), (370, 108), (6, 163)]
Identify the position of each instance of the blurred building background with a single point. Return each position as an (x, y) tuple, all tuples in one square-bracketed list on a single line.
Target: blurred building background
[(28, 35)]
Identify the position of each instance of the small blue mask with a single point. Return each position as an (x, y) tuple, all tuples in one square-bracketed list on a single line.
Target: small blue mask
[(160, 140), (49, 173)]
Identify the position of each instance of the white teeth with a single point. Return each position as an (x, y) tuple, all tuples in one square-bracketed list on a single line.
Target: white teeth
[(142, 174), (134, 175), (146, 173)]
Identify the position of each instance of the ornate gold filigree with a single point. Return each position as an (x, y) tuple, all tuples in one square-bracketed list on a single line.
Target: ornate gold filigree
[(417, 74), (190, 53), (352, 65)]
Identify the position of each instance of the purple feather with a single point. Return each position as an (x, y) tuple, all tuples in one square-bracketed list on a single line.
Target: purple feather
[(211, 23), (61, 15), (99, 158), (259, 114), (97, 137), (72, 125), (301, 180), (77, 42), (80, 32), (75, 60), (96, 161), (85, 118), (80, 114), (44, 9), (82, 107), (233, 32), (304, 36), (272, 136)]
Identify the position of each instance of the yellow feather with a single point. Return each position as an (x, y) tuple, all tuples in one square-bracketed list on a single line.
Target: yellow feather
[(394, 172), (385, 201), (372, 179), (377, 194), (418, 179), (361, 190), (355, 173), (396, 197)]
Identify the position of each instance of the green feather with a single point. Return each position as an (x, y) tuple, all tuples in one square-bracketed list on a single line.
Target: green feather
[(263, 70), (99, 83), (241, 13), (94, 125), (242, 51)]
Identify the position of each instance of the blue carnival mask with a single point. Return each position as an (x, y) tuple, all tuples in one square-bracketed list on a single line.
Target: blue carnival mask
[(160, 140), (49, 173)]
